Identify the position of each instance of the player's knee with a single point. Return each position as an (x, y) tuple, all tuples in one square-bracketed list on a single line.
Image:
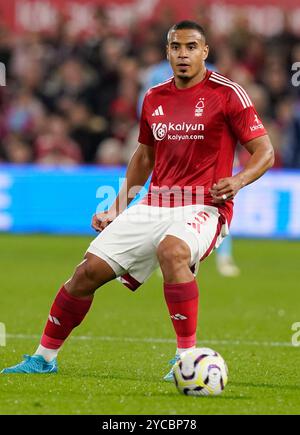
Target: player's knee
[(91, 273), (173, 252), (79, 275), (85, 272)]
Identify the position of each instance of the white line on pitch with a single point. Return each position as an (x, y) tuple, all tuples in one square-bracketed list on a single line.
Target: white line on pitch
[(162, 340)]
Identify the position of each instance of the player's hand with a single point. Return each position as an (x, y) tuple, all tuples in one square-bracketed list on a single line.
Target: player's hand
[(225, 189), (102, 220)]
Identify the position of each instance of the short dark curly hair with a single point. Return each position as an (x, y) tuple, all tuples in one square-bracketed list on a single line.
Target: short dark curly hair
[(186, 24)]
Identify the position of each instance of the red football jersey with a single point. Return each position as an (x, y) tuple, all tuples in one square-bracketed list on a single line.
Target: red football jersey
[(194, 133)]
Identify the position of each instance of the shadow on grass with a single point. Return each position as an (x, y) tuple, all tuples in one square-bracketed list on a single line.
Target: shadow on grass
[(158, 382)]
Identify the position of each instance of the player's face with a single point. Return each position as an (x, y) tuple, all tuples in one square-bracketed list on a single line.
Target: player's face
[(186, 52)]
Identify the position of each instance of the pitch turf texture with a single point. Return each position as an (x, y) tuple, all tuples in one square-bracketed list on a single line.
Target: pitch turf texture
[(115, 360)]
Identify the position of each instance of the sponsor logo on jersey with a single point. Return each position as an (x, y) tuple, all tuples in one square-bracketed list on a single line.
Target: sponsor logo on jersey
[(199, 107), (160, 129), (158, 112), (258, 124)]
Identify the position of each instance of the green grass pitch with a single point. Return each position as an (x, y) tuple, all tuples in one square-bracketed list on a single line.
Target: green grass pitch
[(114, 362)]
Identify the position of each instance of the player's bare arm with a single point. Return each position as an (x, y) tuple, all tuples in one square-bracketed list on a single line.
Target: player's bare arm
[(262, 158), (138, 171)]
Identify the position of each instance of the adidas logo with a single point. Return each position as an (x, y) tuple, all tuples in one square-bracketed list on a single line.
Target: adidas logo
[(53, 320), (159, 111), (178, 317)]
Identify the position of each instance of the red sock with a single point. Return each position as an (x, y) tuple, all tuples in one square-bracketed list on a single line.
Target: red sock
[(182, 301), (66, 313)]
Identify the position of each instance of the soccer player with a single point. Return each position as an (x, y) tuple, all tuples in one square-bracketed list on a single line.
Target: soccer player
[(158, 73), (189, 128)]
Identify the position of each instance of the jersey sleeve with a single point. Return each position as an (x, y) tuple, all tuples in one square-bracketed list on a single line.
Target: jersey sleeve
[(242, 116), (145, 135)]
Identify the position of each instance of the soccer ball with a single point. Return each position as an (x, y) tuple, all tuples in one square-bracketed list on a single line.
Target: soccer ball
[(200, 372)]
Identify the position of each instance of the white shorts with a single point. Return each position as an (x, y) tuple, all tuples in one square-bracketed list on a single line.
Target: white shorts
[(130, 242)]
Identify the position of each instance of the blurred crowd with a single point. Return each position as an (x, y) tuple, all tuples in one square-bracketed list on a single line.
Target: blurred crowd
[(72, 99)]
